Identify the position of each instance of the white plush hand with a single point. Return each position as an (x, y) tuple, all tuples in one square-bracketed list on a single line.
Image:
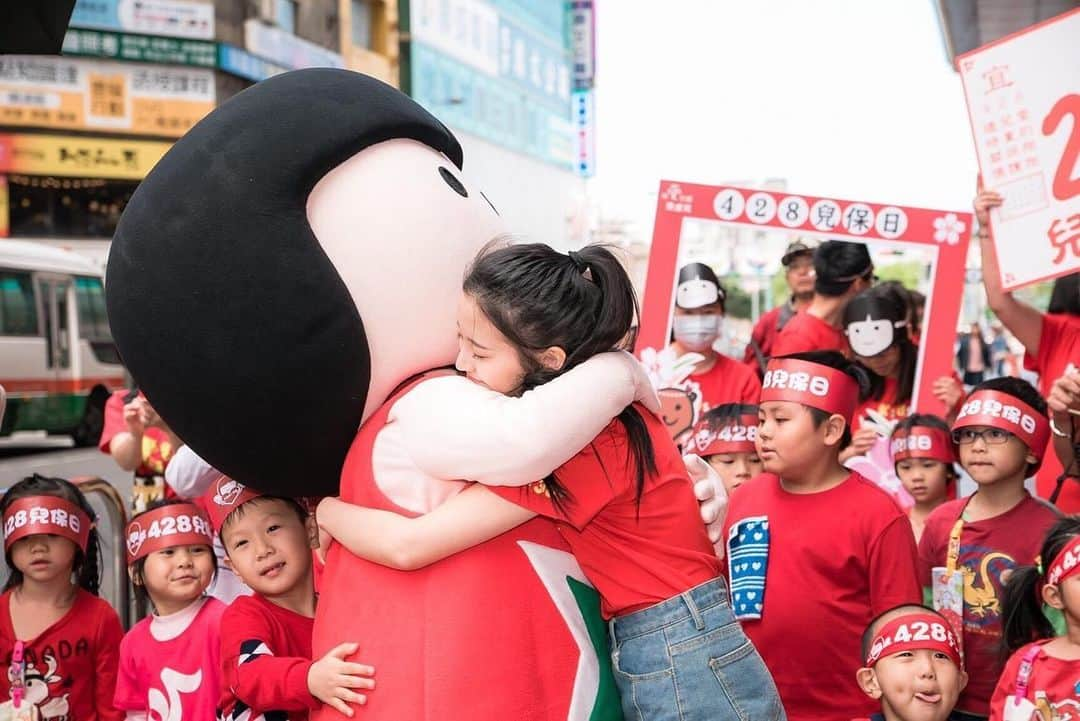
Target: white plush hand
[(644, 391), (712, 497)]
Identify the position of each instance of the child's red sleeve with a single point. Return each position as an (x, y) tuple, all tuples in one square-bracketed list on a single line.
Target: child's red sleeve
[(252, 672), (128, 696), (106, 662), (893, 580), (1006, 685), (931, 552)]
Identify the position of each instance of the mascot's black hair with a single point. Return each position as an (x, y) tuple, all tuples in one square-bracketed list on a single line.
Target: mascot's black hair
[(246, 171)]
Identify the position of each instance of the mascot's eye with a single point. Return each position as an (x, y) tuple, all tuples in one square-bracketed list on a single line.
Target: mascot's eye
[(453, 182)]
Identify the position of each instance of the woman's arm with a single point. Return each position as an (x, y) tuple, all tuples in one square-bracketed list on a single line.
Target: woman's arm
[(468, 519), (455, 429), (1021, 319)]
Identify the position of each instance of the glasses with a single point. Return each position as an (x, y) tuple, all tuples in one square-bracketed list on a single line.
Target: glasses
[(990, 436)]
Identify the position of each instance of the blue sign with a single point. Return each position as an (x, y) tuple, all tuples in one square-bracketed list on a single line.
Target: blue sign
[(238, 61)]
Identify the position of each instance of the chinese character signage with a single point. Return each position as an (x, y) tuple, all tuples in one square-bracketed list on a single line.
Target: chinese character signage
[(79, 157), (584, 109), (1023, 97), (944, 233), (140, 48), (583, 42), (174, 18), (54, 92), (283, 48)]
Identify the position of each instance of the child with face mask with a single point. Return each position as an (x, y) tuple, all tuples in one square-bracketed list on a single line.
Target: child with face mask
[(697, 324)]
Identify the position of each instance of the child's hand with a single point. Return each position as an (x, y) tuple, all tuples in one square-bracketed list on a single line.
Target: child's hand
[(949, 391), (1065, 393), (984, 201), (135, 417), (331, 678)]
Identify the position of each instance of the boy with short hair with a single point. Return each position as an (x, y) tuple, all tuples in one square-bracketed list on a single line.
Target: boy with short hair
[(724, 438), (266, 637), (814, 550), (1001, 434), (913, 665)]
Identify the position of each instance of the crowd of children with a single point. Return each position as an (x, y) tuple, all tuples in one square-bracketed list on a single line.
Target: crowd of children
[(823, 601)]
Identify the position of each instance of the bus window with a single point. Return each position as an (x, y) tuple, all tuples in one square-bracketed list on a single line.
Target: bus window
[(18, 316), (93, 321)]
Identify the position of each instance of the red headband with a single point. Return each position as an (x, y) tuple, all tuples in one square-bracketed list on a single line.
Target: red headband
[(1009, 413), (912, 632), (46, 514), (178, 524), (811, 384), (1065, 564), (225, 496), (735, 437), (923, 442)]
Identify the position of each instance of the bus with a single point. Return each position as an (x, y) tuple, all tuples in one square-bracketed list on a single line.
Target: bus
[(58, 362)]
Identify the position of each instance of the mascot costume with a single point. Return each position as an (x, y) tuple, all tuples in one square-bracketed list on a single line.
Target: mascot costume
[(288, 274)]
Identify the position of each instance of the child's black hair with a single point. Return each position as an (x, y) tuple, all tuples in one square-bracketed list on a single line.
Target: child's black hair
[(928, 420), (1022, 618), (582, 302), (294, 505), (874, 625), (1017, 388), (727, 414), (1065, 295), (838, 264), (856, 372), (892, 298), (142, 597), (87, 565)]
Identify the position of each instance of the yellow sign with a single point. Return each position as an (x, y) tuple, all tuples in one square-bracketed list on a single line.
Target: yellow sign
[(4, 230), (79, 157), (64, 93)]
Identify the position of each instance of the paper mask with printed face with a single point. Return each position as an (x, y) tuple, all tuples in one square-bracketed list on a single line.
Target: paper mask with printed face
[(870, 324)]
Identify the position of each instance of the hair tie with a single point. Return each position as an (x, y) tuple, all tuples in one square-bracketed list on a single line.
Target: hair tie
[(580, 264), (1038, 565)]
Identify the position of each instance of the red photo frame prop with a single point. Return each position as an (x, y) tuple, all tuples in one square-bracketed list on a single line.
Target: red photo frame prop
[(945, 231)]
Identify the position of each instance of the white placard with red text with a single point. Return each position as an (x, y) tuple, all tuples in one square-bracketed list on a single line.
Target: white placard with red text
[(1023, 97)]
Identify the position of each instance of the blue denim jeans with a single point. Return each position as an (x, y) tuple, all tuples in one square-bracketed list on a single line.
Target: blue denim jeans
[(687, 658)]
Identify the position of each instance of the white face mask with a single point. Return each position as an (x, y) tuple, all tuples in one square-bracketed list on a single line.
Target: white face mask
[(698, 332)]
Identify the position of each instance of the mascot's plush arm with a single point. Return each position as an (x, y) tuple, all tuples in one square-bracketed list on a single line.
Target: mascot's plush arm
[(496, 439)]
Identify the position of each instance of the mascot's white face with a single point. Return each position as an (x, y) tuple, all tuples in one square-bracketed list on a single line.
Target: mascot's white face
[(424, 233)]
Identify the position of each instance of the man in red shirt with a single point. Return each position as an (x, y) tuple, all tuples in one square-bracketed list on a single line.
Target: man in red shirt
[(843, 271), (798, 261), (716, 379)]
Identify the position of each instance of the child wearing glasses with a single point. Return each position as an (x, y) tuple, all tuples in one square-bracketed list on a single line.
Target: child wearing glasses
[(970, 546)]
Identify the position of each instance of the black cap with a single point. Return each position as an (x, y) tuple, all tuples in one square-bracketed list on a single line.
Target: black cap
[(795, 249)]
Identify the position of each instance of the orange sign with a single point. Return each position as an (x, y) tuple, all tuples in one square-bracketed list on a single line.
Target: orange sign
[(69, 94), (4, 230), (78, 156)]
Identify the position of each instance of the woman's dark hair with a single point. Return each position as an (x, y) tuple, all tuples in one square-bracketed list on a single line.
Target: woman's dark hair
[(87, 566), (1065, 296), (1022, 618), (928, 420), (838, 264), (141, 595), (891, 301), (582, 302), (836, 360)]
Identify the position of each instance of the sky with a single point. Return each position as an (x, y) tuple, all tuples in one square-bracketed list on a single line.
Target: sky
[(848, 99)]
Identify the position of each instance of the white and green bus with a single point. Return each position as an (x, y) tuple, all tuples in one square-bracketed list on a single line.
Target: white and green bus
[(58, 362)]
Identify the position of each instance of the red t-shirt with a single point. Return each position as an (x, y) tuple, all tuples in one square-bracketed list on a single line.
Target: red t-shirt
[(836, 559), (805, 332), (1059, 347), (1054, 676), (178, 679), (728, 381), (70, 668), (635, 554), (157, 449), (988, 549), (763, 335), (265, 659)]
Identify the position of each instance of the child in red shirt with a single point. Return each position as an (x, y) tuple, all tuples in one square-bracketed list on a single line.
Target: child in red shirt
[(814, 550), (59, 639), (725, 440), (1001, 433), (266, 637), (170, 663), (923, 457), (913, 665), (624, 504), (1039, 680)]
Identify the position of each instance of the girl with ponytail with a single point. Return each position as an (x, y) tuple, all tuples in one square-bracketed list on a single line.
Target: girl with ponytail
[(59, 639), (1039, 679), (624, 504)]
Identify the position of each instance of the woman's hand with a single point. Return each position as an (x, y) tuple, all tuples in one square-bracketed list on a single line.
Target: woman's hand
[(949, 391)]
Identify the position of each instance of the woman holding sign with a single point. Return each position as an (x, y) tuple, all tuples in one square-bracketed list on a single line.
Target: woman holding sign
[(1051, 339)]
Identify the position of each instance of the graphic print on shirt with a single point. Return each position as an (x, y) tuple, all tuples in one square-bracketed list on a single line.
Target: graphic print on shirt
[(251, 650), (169, 706), (1041, 710), (985, 572), (748, 560), (680, 407), (37, 683)]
